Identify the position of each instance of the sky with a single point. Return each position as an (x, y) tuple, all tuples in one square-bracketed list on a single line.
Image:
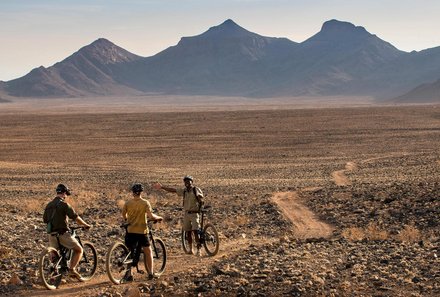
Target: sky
[(37, 33)]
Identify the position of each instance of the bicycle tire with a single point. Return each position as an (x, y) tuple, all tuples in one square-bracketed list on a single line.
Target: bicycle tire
[(160, 258), (211, 243), (116, 262), (49, 268), (89, 261)]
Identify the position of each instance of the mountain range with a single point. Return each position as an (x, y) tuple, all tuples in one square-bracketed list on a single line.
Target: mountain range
[(227, 60)]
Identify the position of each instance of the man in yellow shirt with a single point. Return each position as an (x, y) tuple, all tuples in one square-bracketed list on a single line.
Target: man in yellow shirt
[(192, 203), (135, 212)]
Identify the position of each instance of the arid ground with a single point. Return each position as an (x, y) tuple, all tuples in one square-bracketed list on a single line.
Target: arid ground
[(308, 202)]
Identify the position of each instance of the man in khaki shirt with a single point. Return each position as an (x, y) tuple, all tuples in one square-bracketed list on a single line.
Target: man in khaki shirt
[(192, 203), (135, 212)]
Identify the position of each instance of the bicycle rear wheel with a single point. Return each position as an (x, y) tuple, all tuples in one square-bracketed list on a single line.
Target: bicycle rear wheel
[(211, 241), (116, 261), (159, 256), (49, 268), (89, 261)]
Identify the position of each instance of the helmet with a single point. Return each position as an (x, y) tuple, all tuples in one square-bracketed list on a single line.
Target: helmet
[(188, 177), (61, 188), (137, 188)]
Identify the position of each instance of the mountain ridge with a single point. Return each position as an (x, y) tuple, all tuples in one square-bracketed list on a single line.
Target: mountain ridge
[(228, 60)]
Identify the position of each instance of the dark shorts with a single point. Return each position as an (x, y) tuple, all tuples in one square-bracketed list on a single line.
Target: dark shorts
[(133, 239)]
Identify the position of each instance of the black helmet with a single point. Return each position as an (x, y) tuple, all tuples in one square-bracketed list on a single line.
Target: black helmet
[(188, 177), (137, 188), (63, 189)]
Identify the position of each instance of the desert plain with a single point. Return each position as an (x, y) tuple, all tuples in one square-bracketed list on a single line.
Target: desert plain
[(329, 201)]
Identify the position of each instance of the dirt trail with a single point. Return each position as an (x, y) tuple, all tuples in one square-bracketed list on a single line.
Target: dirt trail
[(341, 179), (339, 176), (176, 263), (305, 223)]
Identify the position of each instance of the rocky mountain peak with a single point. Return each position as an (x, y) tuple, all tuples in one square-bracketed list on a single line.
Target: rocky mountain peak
[(340, 26), (227, 29), (105, 52), (338, 31)]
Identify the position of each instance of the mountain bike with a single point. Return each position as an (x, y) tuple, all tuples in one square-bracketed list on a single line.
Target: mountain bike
[(119, 257), (54, 262), (208, 236)]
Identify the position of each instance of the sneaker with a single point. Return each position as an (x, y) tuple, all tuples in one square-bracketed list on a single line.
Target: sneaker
[(74, 273), (152, 275), (199, 253), (189, 252), (128, 277)]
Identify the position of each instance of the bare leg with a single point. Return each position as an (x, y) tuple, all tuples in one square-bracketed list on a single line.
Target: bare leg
[(196, 236), (148, 254), (77, 254)]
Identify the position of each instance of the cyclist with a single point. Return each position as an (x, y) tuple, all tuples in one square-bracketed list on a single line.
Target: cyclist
[(192, 204), (58, 212), (135, 212)]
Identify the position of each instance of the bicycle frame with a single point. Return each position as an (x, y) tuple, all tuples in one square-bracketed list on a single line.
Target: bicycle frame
[(129, 258)]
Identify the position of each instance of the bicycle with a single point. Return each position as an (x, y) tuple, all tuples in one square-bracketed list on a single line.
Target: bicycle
[(208, 236), (119, 257), (54, 262)]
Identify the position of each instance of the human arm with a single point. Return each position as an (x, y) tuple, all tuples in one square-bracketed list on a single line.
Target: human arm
[(154, 217), (150, 215), (81, 222), (124, 212), (159, 186), (70, 212)]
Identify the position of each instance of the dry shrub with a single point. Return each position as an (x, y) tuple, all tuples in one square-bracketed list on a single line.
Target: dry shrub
[(374, 232), (33, 205), (346, 286), (6, 252), (353, 234), (82, 199), (409, 234), (241, 220), (371, 232)]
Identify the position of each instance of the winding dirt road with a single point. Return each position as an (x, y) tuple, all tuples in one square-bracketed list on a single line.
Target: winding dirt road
[(306, 224)]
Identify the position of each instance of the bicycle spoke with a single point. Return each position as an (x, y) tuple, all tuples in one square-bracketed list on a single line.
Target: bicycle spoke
[(211, 240), (117, 260), (89, 261)]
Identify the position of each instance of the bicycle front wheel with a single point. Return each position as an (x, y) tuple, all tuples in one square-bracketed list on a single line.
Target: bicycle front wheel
[(89, 261), (159, 256), (116, 262), (49, 268), (211, 242)]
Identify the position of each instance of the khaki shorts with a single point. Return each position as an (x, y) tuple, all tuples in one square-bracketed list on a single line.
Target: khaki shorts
[(66, 240), (191, 221)]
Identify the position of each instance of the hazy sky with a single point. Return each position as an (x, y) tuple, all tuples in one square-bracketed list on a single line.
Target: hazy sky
[(43, 32)]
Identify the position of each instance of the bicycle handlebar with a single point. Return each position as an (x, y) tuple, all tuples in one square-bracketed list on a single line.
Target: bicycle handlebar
[(205, 208), (78, 227)]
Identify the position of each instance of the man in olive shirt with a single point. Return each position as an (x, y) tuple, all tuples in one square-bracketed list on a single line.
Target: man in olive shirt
[(192, 203), (135, 212), (58, 212)]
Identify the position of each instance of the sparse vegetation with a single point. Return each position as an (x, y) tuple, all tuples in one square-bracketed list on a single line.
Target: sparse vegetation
[(239, 159), (409, 234)]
